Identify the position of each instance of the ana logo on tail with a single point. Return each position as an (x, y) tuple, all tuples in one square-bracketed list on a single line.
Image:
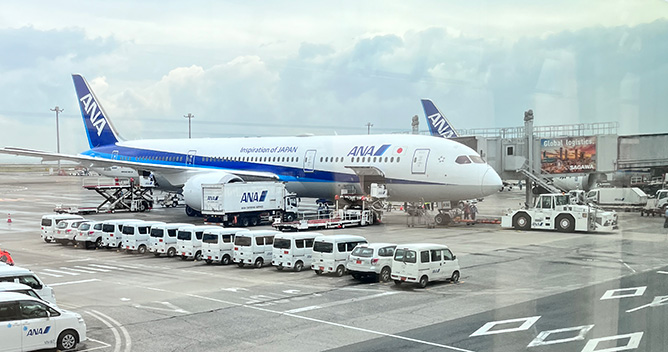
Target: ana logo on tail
[(438, 125), (99, 128), (91, 108)]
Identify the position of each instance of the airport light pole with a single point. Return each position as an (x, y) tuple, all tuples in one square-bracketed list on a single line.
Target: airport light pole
[(189, 117), (368, 127), (58, 111)]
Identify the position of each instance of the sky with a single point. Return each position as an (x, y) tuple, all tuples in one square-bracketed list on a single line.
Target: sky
[(258, 68)]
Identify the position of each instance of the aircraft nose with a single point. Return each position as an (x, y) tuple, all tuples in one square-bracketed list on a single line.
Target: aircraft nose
[(491, 182)]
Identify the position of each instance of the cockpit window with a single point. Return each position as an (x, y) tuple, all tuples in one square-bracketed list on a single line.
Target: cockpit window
[(463, 159), (476, 159)]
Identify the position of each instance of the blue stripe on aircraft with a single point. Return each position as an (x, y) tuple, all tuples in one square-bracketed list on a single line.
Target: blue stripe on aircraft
[(381, 150), (284, 173)]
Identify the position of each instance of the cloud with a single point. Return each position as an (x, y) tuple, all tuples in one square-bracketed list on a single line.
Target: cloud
[(26, 47), (331, 84)]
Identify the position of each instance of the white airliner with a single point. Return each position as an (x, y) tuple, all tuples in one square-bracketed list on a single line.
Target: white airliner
[(413, 168)]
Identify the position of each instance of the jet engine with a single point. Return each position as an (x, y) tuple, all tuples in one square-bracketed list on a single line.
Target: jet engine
[(192, 190)]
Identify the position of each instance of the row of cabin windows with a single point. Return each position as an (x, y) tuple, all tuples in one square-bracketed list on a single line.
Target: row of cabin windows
[(157, 158), (363, 159), (293, 159), (467, 159), (462, 159)]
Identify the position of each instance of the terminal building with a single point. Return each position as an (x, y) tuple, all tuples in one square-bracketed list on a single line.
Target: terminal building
[(579, 156)]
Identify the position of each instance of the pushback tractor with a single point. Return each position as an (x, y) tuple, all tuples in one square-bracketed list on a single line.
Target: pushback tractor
[(559, 212)]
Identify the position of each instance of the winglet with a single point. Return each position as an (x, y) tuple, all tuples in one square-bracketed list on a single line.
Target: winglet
[(99, 129), (439, 126)]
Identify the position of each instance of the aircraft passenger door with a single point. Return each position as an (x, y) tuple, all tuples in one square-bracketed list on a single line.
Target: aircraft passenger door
[(309, 160), (190, 158), (114, 155), (419, 163)]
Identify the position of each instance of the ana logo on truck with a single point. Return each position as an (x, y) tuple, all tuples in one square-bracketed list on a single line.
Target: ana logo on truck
[(38, 331), (250, 197)]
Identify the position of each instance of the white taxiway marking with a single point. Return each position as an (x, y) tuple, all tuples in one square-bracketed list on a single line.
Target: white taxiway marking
[(662, 272), (105, 267), (117, 336), (540, 340), (49, 274), (526, 324), (128, 266), (128, 341), (337, 303), (658, 301), (612, 294), (309, 319), (78, 270), (104, 345), (627, 266), (79, 260), (61, 272), (94, 268), (632, 344), (73, 282), (170, 308)]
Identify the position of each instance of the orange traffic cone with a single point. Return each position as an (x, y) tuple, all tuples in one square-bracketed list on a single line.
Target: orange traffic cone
[(9, 218)]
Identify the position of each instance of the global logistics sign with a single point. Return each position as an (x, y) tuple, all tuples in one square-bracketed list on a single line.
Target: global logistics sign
[(568, 155)]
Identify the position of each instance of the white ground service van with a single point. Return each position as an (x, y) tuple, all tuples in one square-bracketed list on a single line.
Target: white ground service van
[(330, 253), (189, 241), (254, 247), (163, 239), (66, 230), (49, 223), (136, 236), (112, 232), (30, 324), (371, 260), (293, 250), (25, 276), (90, 234), (420, 263), (218, 244)]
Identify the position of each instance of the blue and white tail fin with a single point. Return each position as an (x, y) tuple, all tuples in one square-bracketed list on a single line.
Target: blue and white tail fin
[(98, 127), (439, 126)]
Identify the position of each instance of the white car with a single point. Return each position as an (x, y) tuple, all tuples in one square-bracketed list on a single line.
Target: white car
[(331, 252), (136, 236), (420, 263), (218, 244), (24, 276), (66, 230), (371, 260), (31, 324), (20, 288), (49, 223), (163, 239), (90, 234)]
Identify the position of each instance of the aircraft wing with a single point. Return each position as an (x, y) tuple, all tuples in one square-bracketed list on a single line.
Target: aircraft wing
[(89, 161)]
